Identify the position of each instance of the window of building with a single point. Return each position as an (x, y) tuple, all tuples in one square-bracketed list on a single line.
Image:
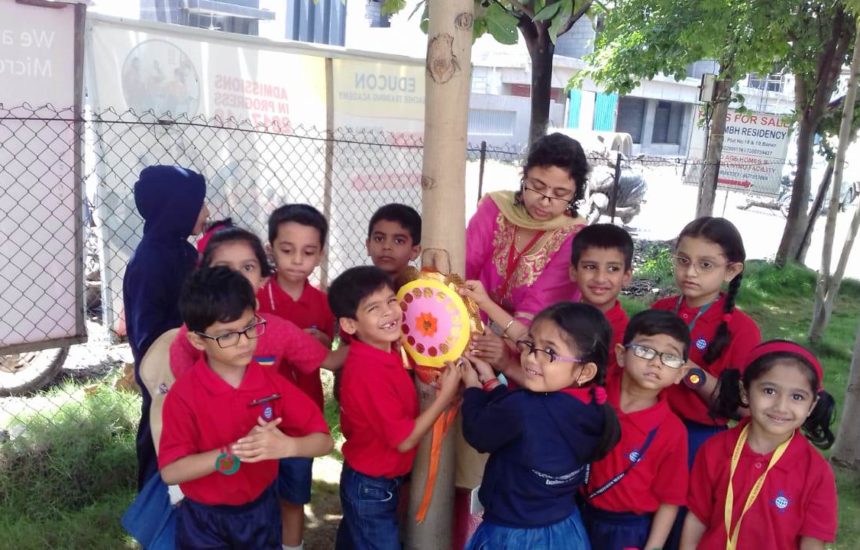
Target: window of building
[(491, 122), (668, 117), (770, 83), (631, 115)]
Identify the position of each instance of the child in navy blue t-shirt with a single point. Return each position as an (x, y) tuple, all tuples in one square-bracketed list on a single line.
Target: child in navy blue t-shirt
[(542, 436)]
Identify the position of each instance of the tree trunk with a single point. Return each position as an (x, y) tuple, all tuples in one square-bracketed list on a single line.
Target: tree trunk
[(812, 92), (711, 170), (846, 450), (541, 51), (446, 109), (795, 222), (823, 187), (827, 286)]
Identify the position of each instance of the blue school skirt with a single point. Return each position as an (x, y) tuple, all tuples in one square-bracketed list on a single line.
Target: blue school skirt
[(567, 534), (616, 530)]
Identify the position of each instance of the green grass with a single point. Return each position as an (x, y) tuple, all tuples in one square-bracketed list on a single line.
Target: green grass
[(780, 301), (66, 480)]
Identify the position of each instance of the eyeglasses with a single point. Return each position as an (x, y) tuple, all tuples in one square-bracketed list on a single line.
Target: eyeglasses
[(701, 266), (258, 328), (528, 347), (539, 188), (644, 352)]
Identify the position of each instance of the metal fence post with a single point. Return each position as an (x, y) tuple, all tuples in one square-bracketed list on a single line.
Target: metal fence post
[(615, 181), (481, 170)]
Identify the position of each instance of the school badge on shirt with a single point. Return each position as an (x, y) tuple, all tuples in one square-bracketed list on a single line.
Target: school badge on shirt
[(781, 502), (267, 411)]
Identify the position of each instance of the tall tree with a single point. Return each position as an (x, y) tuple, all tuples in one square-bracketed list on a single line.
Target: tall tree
[(820, 35), (828, 283), (644, 38), (540, 22), (449, 50)]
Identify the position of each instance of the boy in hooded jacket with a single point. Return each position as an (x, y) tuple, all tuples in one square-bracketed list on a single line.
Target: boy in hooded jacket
[(171, 201)]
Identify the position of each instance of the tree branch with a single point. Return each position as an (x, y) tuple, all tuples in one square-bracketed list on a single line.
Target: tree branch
[(523, 8), (575, 17)]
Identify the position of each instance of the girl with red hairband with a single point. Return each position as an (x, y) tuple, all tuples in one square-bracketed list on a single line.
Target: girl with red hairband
[(761, 484)]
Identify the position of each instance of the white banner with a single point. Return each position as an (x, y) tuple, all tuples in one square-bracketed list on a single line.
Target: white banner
[(228, 108), (380, 103), (40, 266)]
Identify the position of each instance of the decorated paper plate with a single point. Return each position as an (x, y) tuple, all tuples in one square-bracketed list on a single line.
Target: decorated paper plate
[(436, 324)]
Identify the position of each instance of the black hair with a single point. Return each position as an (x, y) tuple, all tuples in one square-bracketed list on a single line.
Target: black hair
[(603, 235), (728, 397), (724, 234), (565, 153), (587, 330), (405, 215), (354, 285), (302, 214), (214, 294), (651, 322), (229, 234)]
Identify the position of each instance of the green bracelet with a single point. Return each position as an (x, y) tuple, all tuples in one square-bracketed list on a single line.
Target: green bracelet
[(227, 463)]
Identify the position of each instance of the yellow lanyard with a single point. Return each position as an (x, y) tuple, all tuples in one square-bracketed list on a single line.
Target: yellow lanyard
[(732, 536)]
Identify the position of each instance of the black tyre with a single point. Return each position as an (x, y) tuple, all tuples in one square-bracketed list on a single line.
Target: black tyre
[(24, 373)]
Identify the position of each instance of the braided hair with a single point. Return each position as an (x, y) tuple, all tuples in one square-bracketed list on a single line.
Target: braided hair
[(723, 233)]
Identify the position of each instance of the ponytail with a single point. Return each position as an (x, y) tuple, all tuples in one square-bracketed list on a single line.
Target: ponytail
[(723, 337), (611, 427), (817, 425), (727, 399)]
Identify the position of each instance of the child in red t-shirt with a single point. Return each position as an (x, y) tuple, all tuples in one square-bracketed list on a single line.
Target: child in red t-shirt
[(228, 420), (379, 412), (633, 494), (601, 264), (761, 484), (297, 234), (394, 240)]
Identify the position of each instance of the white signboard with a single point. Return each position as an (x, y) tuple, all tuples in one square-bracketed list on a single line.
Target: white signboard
[(379, 114), (754, 150), (40, 219)]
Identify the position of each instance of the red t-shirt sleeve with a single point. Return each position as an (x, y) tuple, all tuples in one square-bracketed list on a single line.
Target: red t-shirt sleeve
[(671, 481), (179, 431), (298, 348), (820, 520), (182, 354), (299, 415), (701, 497)]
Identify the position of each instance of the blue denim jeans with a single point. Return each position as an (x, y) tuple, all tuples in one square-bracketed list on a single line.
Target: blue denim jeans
[(369, 512)]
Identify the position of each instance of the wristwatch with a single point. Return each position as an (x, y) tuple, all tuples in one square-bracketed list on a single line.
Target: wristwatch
[(695, 378)]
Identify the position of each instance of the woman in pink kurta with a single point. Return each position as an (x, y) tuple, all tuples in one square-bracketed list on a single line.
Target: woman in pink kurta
[(518, 243)]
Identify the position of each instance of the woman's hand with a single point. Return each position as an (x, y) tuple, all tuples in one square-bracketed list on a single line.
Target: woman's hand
[(475, 290)]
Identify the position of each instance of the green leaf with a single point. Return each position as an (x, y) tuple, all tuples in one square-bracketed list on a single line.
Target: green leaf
[(548, 12), (501, 24), (561, 19), (390, 7)]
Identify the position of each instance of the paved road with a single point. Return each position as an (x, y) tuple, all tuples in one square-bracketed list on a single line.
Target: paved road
[(670, 205)]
